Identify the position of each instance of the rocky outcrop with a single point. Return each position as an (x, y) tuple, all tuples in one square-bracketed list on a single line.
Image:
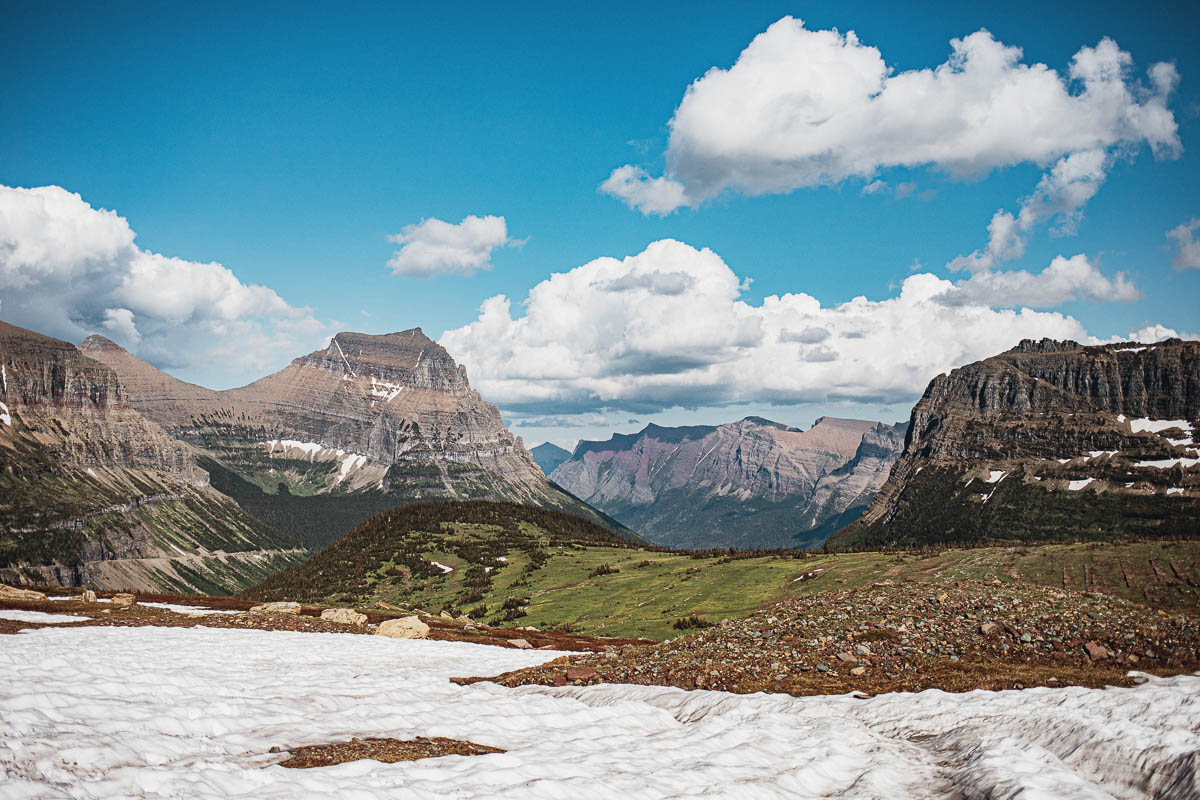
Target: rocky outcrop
[(390, 413), (744, 484), (1048, 440), (403, 628), (92, 492)]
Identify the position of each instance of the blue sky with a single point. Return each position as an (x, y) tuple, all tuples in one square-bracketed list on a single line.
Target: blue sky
[(287, 143)]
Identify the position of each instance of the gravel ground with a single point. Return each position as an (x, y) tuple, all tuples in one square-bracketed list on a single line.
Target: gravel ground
[(904, 637)]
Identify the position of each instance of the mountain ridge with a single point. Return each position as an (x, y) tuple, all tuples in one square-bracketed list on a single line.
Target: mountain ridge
[(742, 484)]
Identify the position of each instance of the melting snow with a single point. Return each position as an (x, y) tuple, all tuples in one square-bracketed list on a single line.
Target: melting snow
[(1075, 486), (17, 615), (1063, 460), (996, 475), (1158, 425), (445, 569), (1175, 491), (1129, 350), (197, 710), (311, 448), (190, 610), (385, 389), (1097, 453), (5, 417), (349, 464), (1120, 417), (1168, 463), (502, 559)]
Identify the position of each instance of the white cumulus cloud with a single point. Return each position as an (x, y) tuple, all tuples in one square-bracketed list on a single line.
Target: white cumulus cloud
[(807, 107), (68, 270), (1066, 279), (1187, 256), (582, 345), (435, 247)]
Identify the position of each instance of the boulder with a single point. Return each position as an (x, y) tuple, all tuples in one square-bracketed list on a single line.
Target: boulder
[(13, 593), (581, 674), (123, 600), (1095, 651), (446, 615), (345, 616), (988, 628), (277, 608), (846, 658), (520, 644), (858, 671), (403, 628), (88, 596)]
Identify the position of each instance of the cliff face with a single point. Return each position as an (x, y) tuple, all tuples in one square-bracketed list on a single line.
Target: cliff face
[(92, 492), (376, 420), (744, 484), (1034, 442)]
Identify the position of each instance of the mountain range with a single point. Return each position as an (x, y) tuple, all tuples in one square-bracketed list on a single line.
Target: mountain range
[(1050, 440), (746, 484), (91, 492), (108, 459)]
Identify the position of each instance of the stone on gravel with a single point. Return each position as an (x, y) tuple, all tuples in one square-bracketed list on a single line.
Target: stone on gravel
[(580, 674), (13, 593), (346, 616), (276, 608), (846, 658), (520, 644), (403, 628), (988, 628), (1095, 651), (858, 671)]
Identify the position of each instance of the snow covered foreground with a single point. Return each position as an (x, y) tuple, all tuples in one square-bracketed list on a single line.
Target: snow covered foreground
[(193, 712)]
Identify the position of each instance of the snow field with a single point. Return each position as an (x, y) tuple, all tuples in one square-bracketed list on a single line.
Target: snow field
[(193, 712)]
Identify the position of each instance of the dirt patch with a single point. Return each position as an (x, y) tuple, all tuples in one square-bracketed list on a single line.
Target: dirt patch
[(389, 751)]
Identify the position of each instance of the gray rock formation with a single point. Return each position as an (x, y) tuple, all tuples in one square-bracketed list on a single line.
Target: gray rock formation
[(1048, 440), (92, 492)]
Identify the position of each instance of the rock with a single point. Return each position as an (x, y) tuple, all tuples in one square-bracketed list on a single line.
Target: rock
[(862, 650), (846, 658), (858, 671), (277, 608), (520, 644), (403, 628), (942, 597), (13, 593), (581, 674), (822, 668), (1095, 651), (446, 615), (345, 616), (1026, 637), (465, 620), (988, 628), (123, 600), (88, 596)]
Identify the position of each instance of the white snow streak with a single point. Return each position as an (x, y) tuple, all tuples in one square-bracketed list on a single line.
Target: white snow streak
[(995, 475), (5, 417), (1168, 463), (1075, 486), (389, 391), (445, 569), (1175, 491), (18, 615), (192, 712), (1158, 425)]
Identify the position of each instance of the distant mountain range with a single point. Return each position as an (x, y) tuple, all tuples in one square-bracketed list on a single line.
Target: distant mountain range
[(751, 483), (369, 423), (1050, 440)]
